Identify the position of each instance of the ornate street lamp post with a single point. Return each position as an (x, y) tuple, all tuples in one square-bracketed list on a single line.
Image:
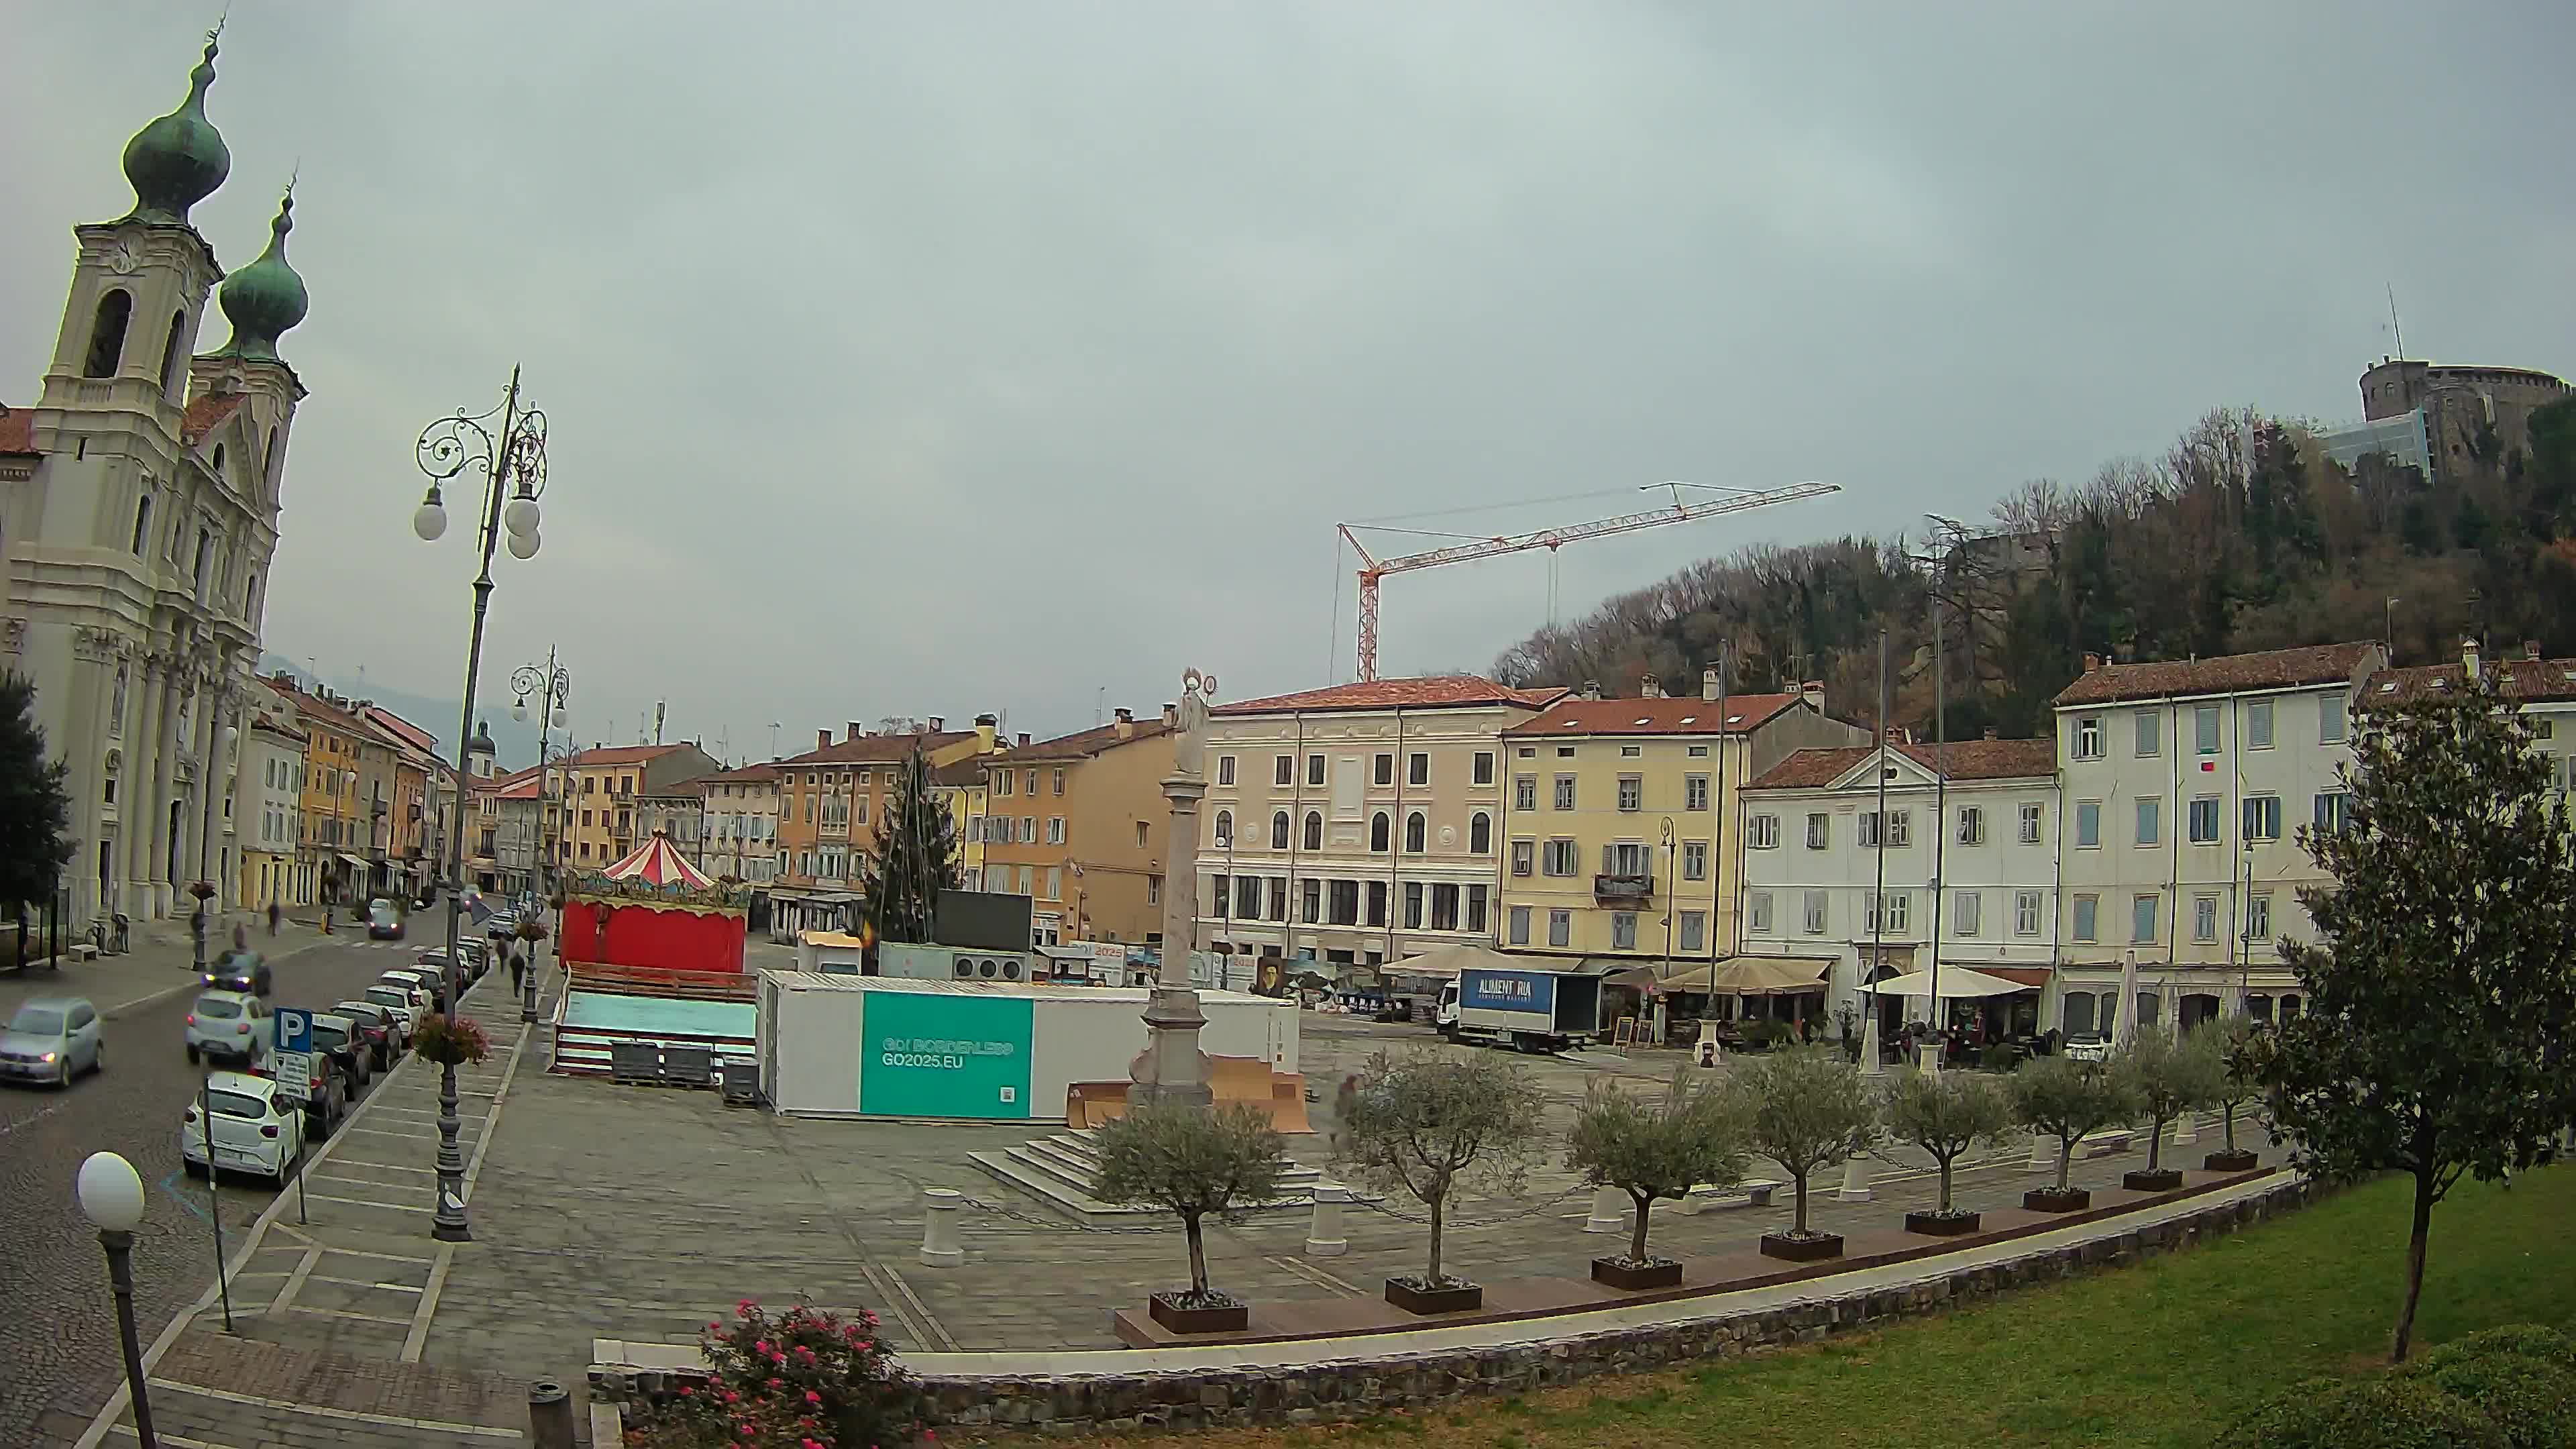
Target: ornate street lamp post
[(553, 687), (513, 464), (111, 1197)]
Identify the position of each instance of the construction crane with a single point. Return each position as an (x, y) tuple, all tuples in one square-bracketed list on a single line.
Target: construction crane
[(1374, 569)]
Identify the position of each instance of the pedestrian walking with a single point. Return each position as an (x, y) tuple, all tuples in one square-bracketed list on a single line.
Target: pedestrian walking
[(273, 913), (518, 970)]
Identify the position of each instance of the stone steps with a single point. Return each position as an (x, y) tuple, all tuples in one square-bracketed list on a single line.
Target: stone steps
[(1061, 1170)]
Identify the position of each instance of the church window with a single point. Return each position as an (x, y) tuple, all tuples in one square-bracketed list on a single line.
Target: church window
[(219, 461), (142, 522), (107, 334), (170, 351)]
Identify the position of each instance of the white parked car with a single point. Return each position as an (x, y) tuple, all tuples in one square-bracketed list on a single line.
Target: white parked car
[(408, 1004), (231, 1025), (255, 1130)]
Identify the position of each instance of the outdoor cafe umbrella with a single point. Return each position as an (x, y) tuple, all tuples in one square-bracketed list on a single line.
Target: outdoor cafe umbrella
[(2126, 1008)]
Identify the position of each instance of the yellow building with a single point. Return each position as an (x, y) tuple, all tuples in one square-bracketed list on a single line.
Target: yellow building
[(331, 862), (963, 788), (599, 809), (1620, 826), (1079, 825), (831, 801)]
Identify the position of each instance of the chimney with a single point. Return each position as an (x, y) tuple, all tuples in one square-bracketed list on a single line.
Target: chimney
[(1650, 687), (1813, 691), (1171, 715), (1592, 689), (2531, 650), (1024, 739), (2469, 658), (1708, 685), (2092, 662), (1990, 733), (822, 739), (987, 728), (1896, 734), (939, 724), (854, 731), (1125, 724)]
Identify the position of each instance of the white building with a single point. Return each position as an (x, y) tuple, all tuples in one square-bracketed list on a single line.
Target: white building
[(1961, 868), (2184, 785), (269, 812), (1299, 850), (741, 834), (139, 504)]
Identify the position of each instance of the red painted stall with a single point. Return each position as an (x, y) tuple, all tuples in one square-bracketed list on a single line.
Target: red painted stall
[(653, 910)]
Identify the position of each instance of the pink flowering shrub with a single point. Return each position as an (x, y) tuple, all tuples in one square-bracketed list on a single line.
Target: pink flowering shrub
[(802, 1379)]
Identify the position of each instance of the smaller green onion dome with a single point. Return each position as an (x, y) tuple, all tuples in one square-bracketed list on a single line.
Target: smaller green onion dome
[(178, 160), (266, 298)]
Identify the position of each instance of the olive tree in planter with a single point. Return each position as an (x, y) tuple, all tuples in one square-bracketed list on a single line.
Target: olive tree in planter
[(1945, 1114), (1427, 1123), (2229, 1041), (1808, 1111), (2066, 1099), (1653, 1149), (1193, 1163), (2165, 1078)]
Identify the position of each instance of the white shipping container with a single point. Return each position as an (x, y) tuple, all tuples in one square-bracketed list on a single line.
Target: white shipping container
[(993, 1051)]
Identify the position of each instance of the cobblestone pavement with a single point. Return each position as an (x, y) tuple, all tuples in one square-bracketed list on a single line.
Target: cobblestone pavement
[(634, 1213), (57, 1325)]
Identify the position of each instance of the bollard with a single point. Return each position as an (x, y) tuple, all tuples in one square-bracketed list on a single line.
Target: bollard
[(1324, 1235), (549, 1415), (2186, 1130), (1871, 1062), (2043, 1152), (1855, 1186), (939, 1243), (1932, 1052), (1609, 1211)]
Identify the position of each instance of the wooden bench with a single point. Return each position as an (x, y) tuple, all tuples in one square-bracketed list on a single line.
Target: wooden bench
[(1755, 1192), (2106, 1144)]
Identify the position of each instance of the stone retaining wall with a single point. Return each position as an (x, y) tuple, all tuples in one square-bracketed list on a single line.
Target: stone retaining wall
[(1352, 1388)]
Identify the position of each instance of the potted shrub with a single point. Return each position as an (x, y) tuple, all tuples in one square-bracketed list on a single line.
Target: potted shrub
[(1192, 1163), (1427, 1123), (1807, 1111), (2233, 1042), (531, 930), (2066, 1099), (2165, 1078), (804, 1376), (1945, 1114), (451, 1041), (1653, 1149)]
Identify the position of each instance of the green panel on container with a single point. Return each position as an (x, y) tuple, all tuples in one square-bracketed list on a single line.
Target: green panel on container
[(943, 1055)]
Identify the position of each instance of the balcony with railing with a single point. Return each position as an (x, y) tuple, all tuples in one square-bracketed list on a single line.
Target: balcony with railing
[(1624, 886)]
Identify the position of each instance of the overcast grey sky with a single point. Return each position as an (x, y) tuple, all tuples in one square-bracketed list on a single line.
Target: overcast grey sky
[(937, 358)]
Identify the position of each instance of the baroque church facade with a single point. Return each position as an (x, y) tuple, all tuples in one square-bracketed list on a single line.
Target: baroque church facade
[(138, 515)]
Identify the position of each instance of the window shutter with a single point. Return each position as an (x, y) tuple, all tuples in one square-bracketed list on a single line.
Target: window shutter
[(1609, 862)]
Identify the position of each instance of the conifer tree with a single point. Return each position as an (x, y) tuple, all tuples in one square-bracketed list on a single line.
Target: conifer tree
[(35, 813), (915, 856)]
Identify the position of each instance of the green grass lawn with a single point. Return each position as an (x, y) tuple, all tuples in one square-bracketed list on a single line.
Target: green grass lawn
[(2159, 1354)]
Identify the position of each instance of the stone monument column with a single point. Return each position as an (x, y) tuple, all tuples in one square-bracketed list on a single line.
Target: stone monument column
[(1172, 1070)]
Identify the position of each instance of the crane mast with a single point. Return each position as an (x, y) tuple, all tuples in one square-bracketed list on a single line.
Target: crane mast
[(1373, 569)]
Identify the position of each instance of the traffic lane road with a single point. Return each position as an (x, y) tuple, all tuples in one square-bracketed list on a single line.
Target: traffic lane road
[(58, 1351)]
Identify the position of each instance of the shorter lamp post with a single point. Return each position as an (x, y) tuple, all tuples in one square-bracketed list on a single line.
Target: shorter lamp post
[(111, 1197)]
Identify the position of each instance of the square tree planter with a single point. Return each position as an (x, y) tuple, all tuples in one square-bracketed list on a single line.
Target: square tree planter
[(1810, 1249), (2050, 1200), (1211, 1318), (1943, 1225), (1410, 1295), (2163, 1179), (1653, 1273), (2237, 1161)]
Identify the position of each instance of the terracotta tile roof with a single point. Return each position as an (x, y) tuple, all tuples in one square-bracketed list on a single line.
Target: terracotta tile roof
[(2534, 679), (1692, 716), (317, 707), (877, 749), (2272, 669), (747, 775), (524, 788), (1963, 760), (270, 726), (619, 755), (17, 431), (1082, 744), (400, 728), (1437, 691), (207, 413)]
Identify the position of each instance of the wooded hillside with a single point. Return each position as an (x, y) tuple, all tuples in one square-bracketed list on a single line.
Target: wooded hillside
[(2242, 536)]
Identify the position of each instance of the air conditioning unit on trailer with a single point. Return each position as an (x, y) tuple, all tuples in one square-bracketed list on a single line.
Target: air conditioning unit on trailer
[(989, 966)]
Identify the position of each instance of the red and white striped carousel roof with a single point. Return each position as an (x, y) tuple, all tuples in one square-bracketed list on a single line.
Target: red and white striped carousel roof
[(656, 864)]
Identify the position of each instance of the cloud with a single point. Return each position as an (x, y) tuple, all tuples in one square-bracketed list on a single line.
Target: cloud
[(941, 359)]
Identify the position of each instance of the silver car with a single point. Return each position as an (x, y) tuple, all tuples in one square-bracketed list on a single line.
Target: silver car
[(51, 1039)]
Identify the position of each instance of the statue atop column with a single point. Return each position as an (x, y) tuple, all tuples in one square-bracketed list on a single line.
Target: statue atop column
[(1171, 1069)]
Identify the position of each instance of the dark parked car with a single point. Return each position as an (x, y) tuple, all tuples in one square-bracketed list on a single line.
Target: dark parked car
[(376, 1025), (341, 1038)]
